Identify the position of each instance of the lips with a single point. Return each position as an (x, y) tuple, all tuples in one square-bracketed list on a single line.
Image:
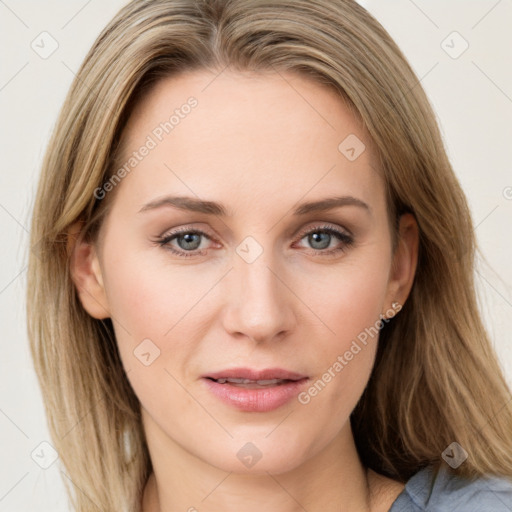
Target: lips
[(255, 390)]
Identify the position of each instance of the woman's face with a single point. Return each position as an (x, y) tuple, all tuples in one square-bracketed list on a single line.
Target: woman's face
[(228, 252)]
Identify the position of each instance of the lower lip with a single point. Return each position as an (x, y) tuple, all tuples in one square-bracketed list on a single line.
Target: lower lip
[(256, 400)]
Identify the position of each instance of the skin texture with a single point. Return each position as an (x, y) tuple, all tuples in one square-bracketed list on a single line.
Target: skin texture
[(259, 144)]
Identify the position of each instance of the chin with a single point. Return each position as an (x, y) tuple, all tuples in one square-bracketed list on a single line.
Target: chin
[(260, 453)]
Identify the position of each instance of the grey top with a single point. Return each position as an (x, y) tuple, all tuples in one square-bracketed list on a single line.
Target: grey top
[(424, 492)]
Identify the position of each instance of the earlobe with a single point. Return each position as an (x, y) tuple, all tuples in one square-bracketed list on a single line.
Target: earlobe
[(86, 274)]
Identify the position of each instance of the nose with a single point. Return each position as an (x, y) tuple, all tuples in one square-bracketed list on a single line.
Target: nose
[(259, 305)]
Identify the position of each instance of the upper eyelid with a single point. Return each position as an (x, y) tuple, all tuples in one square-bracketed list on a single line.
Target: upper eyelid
[(323, 226)]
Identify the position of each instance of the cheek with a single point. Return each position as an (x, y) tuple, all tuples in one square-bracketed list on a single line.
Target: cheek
[(149, 299), (152, 311), (345, 354), (158, 311), (351, 299)]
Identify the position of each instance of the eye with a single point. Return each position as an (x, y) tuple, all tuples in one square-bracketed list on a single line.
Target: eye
[(188, 242), (320, 239)]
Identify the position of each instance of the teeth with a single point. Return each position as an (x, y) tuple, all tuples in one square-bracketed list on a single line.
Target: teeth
[(268, 382)]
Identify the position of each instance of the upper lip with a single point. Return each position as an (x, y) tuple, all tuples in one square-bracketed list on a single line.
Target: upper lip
[(252, 374)]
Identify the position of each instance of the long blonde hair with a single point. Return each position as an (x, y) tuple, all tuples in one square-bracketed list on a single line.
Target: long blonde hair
[(436, 377)]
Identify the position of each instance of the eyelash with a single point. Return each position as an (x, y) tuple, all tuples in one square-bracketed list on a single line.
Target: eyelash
[(347, 240)]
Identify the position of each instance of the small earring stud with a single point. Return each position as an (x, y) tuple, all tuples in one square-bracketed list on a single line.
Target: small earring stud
[(395, 308)]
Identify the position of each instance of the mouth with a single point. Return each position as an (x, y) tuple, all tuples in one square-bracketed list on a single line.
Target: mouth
[(247, 377), (253, 384), (255, 390)]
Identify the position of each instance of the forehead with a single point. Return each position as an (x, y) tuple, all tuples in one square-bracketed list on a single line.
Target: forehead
[(255, 133)]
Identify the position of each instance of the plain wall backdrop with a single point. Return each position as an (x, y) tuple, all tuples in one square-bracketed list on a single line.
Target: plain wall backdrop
[(458, 48)]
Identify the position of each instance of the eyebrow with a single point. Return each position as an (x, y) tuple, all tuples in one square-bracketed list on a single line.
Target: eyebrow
[(213, 208)]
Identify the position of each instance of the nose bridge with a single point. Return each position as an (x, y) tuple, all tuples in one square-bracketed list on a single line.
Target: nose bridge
[(259, 304)]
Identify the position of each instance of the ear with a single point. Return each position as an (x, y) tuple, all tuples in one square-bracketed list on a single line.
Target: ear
[(86, 273), (405, 260)]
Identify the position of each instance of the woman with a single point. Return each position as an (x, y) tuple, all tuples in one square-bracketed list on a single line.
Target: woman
[(253, 284)]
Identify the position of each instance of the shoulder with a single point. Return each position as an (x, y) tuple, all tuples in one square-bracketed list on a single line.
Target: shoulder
[(431, 491)]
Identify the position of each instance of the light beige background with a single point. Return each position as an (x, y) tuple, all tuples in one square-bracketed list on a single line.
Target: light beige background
[(472, 95)]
